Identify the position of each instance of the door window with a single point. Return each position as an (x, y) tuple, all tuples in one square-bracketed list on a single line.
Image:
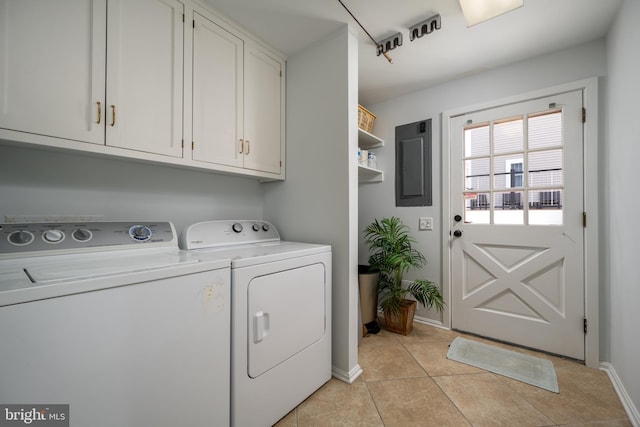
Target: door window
[(514, 170)]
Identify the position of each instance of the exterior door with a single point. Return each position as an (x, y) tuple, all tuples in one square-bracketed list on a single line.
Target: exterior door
[(517, 231)]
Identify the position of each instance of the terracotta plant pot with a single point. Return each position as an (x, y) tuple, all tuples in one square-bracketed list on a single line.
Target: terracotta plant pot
[(403, 322)]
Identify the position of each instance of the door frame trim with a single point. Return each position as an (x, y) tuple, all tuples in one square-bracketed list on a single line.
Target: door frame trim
[(591, 205)]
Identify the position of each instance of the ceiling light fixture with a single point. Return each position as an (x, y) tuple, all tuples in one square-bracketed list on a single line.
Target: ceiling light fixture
[(477, 11)]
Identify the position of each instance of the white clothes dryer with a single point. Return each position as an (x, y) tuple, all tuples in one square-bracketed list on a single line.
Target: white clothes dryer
[(114, 320), (280, 316)]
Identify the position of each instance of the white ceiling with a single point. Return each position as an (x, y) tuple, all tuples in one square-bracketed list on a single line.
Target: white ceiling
[(539, 27)]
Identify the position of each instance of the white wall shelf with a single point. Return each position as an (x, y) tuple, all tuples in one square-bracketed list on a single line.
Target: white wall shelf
[(367, 140), (367, 174)]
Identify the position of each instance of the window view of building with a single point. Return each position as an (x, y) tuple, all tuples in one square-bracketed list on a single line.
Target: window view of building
[(513, 170)]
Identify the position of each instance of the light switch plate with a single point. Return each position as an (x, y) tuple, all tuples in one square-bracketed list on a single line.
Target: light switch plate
[(425, 223)]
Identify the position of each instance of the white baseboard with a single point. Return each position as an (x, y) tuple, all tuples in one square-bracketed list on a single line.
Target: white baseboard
[(629, 407), (347, 377), (430, 322)]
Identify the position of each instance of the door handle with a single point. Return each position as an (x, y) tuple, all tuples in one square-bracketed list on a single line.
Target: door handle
[(113, 115), (260, 326), (457, 233)]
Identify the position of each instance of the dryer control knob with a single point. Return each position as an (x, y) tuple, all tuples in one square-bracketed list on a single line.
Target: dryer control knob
[(265, 227), (237, 227), (255, 227)]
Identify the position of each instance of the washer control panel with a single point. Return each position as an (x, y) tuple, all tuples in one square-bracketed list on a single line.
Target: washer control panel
[(72, 237)]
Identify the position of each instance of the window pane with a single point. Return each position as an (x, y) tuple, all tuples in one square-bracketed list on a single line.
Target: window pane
[(545, 207), (545, 130), (476, 141), (545, 168), (508, 136), (509, 208), (477, 208), (507, 171), (477, 174)]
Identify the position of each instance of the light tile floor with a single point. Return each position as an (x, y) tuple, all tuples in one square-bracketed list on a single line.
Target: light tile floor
[(408, 381)]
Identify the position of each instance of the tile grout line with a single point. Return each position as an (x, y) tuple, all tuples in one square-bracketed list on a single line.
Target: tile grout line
[(375, 405), (435, 382)]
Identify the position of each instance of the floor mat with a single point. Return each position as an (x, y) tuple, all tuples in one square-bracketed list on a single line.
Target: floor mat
[(521, 367)]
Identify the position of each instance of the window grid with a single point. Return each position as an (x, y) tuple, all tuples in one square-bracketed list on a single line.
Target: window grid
[(530, 195)]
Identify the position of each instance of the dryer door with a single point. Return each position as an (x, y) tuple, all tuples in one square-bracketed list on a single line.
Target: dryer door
[(286, 315)]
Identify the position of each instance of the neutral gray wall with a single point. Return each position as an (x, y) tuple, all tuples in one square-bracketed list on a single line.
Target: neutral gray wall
[(40, 182), (378, 200), (318, 201), (623, 237)]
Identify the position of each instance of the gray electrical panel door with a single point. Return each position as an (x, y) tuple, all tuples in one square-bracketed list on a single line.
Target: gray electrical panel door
[(413, 164)]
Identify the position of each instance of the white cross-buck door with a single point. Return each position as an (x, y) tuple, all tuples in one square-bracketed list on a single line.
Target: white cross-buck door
[(517, 227)]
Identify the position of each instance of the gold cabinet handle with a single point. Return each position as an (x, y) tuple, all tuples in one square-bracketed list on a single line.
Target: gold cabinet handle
[(241, 146), (248, 146), (113, 115), (99, 112)]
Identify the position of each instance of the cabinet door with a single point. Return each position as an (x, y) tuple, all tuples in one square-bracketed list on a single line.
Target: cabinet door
[(217, 94), (52, 56), (262, 111), (144, 75)]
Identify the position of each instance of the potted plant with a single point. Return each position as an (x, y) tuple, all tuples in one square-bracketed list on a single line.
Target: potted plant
[(391, 252)]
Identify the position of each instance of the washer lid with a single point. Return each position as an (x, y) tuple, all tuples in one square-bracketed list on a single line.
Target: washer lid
[(75, 269), (260, 253), (28, 279)]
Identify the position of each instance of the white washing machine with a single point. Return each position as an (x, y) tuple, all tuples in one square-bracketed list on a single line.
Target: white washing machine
[(280, 316), (114, 320)]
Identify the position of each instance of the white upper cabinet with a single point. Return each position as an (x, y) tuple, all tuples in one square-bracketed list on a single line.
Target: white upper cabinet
[(53, 57), (151, 80), (52, 62), (144, 75), (217, 94), (237, 101), (262, 110)]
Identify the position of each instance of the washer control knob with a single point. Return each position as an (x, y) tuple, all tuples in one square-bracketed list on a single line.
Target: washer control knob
[(53, 236), (81, 235), (255, 227), (265, 227), (237, 227), (21, 237), (140, 233)]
